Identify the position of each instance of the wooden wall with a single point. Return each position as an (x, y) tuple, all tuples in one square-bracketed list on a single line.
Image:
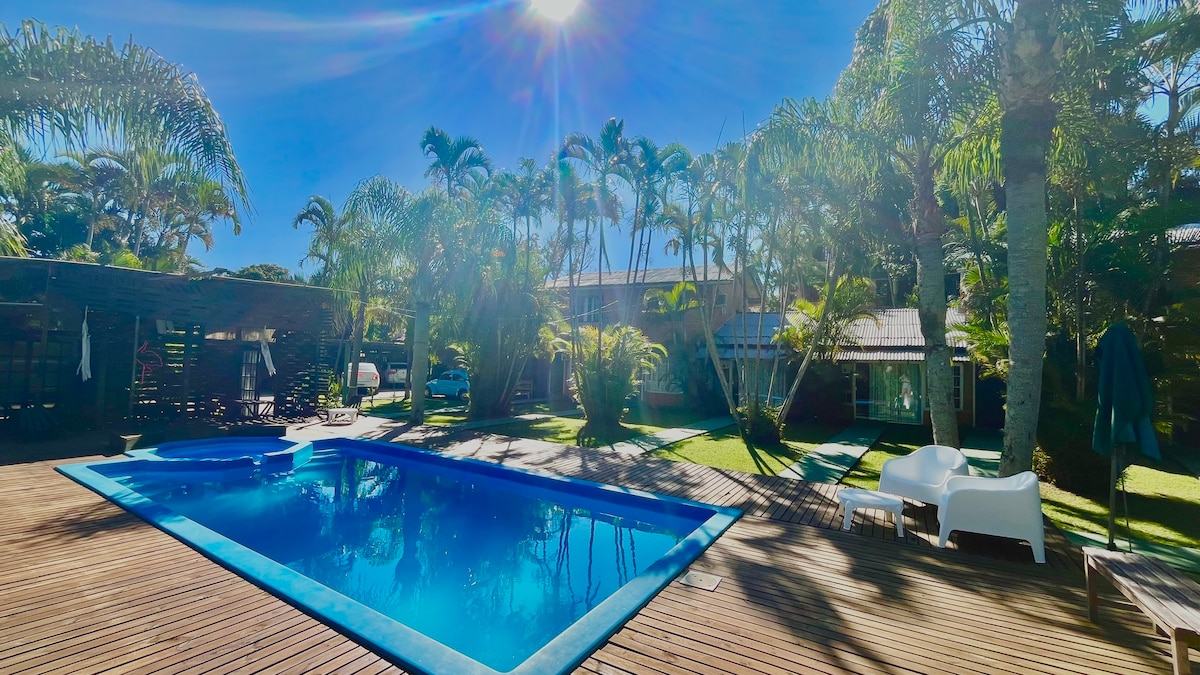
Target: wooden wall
[(151, 361)]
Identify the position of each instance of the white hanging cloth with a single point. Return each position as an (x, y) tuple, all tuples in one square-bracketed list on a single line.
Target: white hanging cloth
[(84, 371), (266, 353)]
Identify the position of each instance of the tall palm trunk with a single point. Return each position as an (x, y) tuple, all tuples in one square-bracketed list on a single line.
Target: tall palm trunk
[(631, 270), (528, 249), (1028, 78), (360, 320), (183, 247), (600, 291), (710, 342), (91, 230), (420, 360), (929, 225), (1080, 309)]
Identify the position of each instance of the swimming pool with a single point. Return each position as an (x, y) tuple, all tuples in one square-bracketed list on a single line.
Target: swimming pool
[(446, 565)]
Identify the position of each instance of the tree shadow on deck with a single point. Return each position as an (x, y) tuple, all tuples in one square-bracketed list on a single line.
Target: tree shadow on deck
[(103, 518), (798, 571)]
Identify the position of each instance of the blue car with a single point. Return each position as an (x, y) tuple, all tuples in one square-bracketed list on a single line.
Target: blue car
[(451, 384)]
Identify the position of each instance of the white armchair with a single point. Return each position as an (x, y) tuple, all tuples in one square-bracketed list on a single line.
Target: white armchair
[(922, 475), (1003, 507)]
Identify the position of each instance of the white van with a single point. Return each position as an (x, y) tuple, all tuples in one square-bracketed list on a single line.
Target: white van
[(368, 377)]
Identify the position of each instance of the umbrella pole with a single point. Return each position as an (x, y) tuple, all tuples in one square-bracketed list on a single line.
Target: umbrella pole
[(1112, 496)]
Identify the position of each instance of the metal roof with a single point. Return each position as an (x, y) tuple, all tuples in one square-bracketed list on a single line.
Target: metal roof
[(850, 355), (901, 328), (892, 335), (890, 328), (730, 333), (661, 275), (1185, 235)]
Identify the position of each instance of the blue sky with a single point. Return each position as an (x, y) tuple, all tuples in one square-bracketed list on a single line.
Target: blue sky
[(320, 95)]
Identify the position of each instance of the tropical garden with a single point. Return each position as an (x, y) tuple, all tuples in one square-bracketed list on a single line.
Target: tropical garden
[(1048, 152)]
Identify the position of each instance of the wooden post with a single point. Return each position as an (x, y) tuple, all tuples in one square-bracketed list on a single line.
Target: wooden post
[(1093, 597), (1114, 474), (1179, 654), (137, 323), (188, 354)]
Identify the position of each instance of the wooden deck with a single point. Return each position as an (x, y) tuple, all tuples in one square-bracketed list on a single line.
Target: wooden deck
[(86, 587)]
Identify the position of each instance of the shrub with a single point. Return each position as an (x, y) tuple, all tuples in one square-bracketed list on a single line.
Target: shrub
[(760, 425), (1064, 455), (605, 369)]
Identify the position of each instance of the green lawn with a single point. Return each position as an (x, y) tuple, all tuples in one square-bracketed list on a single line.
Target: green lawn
[(1164, 506), (397, 407), (1164, 500), (724, 449), (664, 417), (565, 430), (443, 419), (393, 407)]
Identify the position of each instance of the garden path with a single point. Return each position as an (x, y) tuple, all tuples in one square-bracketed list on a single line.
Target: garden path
[(982, 448), (649, 442), (501, 421), (828, 462)]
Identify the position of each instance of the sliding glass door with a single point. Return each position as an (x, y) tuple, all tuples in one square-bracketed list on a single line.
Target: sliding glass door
[(890, 391)]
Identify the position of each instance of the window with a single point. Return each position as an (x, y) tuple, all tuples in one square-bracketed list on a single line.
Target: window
[(660, 380), (958, 386), (249, 388), (592, 309), (721, 299)]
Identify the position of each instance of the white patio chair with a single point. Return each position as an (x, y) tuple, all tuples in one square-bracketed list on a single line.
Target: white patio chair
[(1002, 507), (922, 475)]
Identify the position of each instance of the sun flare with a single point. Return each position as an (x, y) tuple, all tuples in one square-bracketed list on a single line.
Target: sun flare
[(554, 10)]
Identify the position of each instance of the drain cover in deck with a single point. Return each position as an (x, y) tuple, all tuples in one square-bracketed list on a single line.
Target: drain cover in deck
[(707, 582)]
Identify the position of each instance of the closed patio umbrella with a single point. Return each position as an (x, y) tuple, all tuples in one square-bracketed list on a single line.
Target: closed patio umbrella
[(1126, 400), (266, 353), (84, 371)]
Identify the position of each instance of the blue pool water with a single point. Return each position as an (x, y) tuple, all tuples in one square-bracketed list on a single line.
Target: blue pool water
[(509, 569)]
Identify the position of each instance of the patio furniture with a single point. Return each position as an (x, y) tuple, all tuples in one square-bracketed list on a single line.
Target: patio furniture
[(922, 475), (341, 416), (1002, 507), (256, 407), (852, 499), (1171, 600)]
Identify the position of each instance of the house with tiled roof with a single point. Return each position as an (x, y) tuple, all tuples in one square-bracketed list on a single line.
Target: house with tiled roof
[(881, 359)]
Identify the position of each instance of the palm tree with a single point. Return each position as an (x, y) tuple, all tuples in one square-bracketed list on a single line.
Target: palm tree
[(650, 168), (36, 194), (378, 213), (146, 180), (673, 306), (919, 80), (63, 82), (427, 234), (821, 326), (606, 156), (94, 187), (456, 161), (603, 383), (329, 230), (524, 194), (199, 202)]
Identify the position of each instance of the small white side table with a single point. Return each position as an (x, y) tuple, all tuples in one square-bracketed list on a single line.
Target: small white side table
[(854, 498), (341, 416)]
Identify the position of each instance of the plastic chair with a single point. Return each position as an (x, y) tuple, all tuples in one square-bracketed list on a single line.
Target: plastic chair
[(922, 475), (1003, 507)]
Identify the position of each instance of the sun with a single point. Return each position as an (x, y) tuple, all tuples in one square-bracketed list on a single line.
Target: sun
[(554, 10)]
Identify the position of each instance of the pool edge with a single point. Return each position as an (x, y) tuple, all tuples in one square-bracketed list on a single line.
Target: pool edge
[(385, 636)]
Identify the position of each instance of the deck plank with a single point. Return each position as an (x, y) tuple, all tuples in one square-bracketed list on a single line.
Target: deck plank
[(88, 588)]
